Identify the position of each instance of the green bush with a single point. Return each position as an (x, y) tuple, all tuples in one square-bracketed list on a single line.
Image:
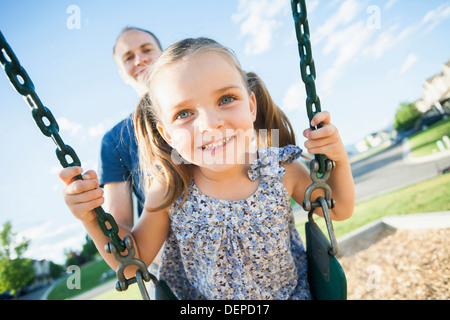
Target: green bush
[(406, 116)]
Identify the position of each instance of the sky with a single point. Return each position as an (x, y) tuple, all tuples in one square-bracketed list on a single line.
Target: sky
[(369, 55)]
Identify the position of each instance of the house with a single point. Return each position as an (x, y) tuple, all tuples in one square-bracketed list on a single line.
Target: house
[(374, 140), (436, 93), (42, 273)]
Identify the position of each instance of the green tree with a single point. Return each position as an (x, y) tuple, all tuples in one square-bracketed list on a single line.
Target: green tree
[(89, 249), (406, 116), (55, 270), (75, 258), (15, 271)]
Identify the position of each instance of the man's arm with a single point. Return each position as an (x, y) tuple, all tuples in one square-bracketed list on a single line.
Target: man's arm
[(119, 203)]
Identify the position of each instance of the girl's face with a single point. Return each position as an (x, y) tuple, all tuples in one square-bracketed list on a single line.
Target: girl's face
[(206, 112)]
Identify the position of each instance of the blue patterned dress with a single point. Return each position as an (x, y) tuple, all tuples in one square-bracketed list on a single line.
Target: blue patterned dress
[(247, 249)]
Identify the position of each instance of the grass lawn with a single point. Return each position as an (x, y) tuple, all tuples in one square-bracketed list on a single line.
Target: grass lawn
[(424, 142), (90, 278), (427, 196)]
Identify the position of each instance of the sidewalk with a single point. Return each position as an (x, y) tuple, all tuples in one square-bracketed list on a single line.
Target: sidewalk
[(88, 295), (409, 159), (371, 232)]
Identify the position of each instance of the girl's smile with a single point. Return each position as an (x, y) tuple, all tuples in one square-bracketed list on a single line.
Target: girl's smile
[(217, 146)]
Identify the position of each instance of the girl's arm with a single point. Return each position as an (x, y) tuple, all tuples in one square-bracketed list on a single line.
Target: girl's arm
[(325, 140), (149, 234)]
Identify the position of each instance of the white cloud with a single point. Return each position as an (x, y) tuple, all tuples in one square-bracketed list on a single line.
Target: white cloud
[(50, 238), (258, 21), (434, 17), (72, 128), (97, 130), (54, 170), (389, 39), (394, 35), (36, 230), (312, 5), (342, 36), (294, 98), (344, 15), (346, 36), (346, 44), (410, 60), (390, 4)]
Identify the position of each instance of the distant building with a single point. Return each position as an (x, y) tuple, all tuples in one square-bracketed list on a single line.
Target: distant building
[(374, 140), (42, 273), (435, 100), (436, 92)]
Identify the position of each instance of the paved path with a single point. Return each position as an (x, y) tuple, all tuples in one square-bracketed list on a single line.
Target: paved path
[(392, 169), (389, 170), (107, 286)]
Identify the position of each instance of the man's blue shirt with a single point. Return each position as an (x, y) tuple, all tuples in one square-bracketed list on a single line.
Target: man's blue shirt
[(119, 160)]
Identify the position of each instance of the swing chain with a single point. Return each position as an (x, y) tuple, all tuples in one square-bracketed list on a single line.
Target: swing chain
[(307, 67), (320, 167), (48, 125)]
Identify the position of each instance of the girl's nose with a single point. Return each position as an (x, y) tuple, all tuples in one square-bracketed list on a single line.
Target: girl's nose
[(210, 120)]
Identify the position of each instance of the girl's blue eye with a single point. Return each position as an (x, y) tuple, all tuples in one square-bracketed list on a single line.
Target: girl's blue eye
[(226, 100), (183, 114)]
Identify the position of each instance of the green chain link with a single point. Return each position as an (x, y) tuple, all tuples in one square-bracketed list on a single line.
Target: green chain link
[(307, 67), (320, 167)]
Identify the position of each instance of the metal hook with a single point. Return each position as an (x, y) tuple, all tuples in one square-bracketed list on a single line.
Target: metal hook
[(142, 274), (334, 249), (318, 183)]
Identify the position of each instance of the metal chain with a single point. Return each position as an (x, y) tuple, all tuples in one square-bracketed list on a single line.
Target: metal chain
[(67, 157), (320, 167), (307, 67)]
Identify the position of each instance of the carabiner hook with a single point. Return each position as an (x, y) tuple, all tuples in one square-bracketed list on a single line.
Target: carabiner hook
[(142, 274), (334, 249), (318, 183)]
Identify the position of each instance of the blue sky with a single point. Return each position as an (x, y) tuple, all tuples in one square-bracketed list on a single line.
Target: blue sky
[(369, 55)]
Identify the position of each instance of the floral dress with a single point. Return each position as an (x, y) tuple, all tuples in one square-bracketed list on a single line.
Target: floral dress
[(246, 249)]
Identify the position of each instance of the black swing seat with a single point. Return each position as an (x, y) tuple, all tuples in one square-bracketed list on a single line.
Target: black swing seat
[(326, 277)]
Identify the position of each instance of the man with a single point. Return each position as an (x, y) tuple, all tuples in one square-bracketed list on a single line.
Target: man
[(134, 51)]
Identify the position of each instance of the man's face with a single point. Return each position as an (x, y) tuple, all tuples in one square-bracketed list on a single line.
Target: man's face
[(135, 50)]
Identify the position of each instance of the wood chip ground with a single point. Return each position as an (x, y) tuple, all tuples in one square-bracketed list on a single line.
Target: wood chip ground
[(399, 265)]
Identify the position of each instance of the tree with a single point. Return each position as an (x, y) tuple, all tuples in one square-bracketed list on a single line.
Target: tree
[(56, 270), (15, 271), (75, 258), (406, 116), (88, 252), (89, 249)]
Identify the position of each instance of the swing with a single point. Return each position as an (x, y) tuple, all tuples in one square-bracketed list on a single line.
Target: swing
[(325, 274)]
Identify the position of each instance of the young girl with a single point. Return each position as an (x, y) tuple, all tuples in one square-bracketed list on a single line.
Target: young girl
[(221, 209)]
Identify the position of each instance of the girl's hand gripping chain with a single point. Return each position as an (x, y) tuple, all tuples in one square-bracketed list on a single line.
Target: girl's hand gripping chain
[(325, 140), (81, 196)]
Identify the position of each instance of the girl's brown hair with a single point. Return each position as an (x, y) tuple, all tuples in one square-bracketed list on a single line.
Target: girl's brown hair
[(159, 161)]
